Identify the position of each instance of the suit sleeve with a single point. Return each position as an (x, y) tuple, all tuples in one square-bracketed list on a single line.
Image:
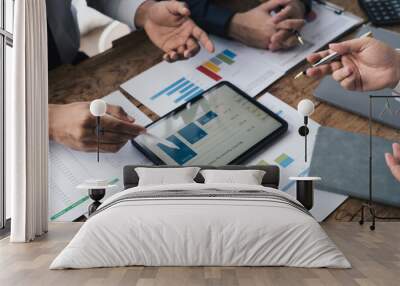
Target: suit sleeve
[(121, 10), (307, 5), (211, 18), (216, 20)]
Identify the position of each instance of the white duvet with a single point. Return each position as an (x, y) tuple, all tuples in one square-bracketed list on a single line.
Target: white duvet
[(189, 231)]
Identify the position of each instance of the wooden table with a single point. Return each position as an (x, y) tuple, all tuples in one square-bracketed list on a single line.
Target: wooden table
[(134, 53)]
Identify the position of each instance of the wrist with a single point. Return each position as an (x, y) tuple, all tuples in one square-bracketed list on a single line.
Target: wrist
[(52, 115), (396, 78), (303, 8), (235, 27), (142, 13), (307, 6)]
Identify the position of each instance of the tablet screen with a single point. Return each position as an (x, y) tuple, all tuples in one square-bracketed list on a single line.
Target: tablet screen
[(216, 128)]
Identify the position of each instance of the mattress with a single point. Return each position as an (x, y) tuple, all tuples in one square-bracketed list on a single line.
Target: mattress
[(201, 225)]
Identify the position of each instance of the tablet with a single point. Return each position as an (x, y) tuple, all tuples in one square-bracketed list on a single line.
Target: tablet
[(221, 126)]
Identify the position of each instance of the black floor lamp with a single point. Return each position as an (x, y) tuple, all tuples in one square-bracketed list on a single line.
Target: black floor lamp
[(369, 205)]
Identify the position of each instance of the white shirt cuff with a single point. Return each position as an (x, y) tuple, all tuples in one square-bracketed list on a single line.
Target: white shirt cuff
[(397, 88), (127, 11), (121, 10)]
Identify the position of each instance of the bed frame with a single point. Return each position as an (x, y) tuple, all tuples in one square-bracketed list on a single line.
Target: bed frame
[(270, 179)]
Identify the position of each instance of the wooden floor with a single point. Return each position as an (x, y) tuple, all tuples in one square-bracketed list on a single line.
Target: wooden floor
[(375, 257)]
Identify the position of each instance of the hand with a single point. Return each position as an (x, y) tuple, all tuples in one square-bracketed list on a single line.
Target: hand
[(259, 29), (366, 64), (74, 126), (393, 161), (289, 9), (168, 25)]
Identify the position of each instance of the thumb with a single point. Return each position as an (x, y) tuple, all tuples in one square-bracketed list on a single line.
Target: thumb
[(348, 47), (177, 8), (393, 166)]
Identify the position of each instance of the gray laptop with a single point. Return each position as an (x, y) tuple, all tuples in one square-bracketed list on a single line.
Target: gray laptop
[(384, 111)]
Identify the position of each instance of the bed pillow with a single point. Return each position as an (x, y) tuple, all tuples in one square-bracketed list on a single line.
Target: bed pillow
[(244, 177), (166, 176)]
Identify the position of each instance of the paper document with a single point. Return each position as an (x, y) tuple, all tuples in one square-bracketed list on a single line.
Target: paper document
[(288, 154), (166, 86), (69, 168)]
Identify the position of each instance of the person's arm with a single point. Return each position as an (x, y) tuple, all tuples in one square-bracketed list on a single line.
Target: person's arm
[(397, 88), (213, 19), (365, 65), (393, 161), (217, 20), (307, 6), (124, 11), (167, 23), (74, 126)]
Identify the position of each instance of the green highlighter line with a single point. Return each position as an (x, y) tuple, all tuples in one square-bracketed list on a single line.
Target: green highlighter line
[(113, 181), (70, 207), (77, 203)]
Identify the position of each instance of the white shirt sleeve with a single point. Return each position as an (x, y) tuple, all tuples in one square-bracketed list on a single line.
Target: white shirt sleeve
[(397, 89), (121, 10)]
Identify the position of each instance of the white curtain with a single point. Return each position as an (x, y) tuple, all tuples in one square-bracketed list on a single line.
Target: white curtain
[(26, 123)]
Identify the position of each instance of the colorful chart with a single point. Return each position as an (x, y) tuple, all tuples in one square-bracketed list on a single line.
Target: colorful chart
[(284, 160), (212, 67), (183, 89)]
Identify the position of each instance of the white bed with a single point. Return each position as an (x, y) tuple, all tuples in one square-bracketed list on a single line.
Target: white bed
[(201, 225)]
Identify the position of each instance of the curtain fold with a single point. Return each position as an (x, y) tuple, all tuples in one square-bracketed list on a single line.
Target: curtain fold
[(26, 123)]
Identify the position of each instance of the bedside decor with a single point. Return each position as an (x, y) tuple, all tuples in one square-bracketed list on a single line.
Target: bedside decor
[(369, 205), (98, 108), (96, 190), (305, 185), (305, 108), (305, 190), (97, 187)]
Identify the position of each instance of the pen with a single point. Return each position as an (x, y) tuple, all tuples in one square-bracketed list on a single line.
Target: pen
[(298, 36), (328, 59), (295, 32)]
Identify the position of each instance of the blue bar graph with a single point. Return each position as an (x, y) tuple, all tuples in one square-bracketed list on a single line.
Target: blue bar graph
[(207, 117), (183, 89), (196, 93), (193, 92), (158, 94), (192, 133), (172, 91), (181, 155), (186, 88)]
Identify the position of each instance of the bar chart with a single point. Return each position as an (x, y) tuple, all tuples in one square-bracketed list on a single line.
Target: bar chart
[(182, 90), (191, 133), (212, 67)]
